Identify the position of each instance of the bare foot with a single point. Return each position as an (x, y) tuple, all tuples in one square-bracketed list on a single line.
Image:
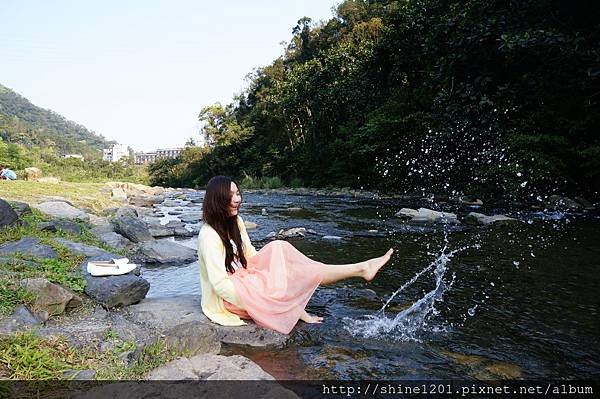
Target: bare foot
[(309, 318), (372, 266)]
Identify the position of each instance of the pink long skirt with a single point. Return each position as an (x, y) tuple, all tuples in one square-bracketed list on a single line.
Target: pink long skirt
[(276, 286)]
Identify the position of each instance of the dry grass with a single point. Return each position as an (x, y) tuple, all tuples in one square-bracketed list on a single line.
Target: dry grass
[(94, 196)]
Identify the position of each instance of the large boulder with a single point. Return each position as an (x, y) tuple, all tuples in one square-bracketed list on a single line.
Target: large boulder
[(162, 251), (134, 229), (61, 209), (29, 246), (175, 313), (50, 298), (210, 367), (8, 216), (32, 174)]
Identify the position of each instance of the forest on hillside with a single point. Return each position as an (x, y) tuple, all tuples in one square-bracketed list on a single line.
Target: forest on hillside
[(31, 136), (427, 95), (21, 122)]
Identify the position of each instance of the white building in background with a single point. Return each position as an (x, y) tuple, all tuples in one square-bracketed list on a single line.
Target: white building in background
[(115, 153), (149, 157)]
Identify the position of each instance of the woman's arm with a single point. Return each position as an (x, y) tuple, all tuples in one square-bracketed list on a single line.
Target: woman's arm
[(213, 253)]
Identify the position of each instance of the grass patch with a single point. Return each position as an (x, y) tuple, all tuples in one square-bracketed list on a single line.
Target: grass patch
[(92, 196), (12, 295), (27, 356)]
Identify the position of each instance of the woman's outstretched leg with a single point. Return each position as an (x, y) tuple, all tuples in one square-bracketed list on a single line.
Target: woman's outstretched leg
[(367, 269), (333, 273)]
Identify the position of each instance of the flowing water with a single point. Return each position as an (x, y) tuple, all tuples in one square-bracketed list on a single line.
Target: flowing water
[(513, 301)]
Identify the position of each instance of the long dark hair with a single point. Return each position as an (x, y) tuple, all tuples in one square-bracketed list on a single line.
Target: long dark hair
[(216, 212)]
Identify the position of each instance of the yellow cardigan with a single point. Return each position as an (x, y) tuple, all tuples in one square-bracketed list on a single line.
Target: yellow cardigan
[(214, 281)]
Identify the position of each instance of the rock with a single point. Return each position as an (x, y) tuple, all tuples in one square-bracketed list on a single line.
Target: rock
[(106, 234), (63, 210), (210, 367), (79, 375), (128, 211), (168, 313), (29, 246), (180, 320), (87, 250), (21, 319), (135, 189), (118, 194), (250, 225), (174, 223), (294, 232), (190, 218), (471, 201), (134, 229), (479, 219), (557, 202), (51, 180), (171, 203), (504, 370), (8, 216), (99, 221), (64, 225), (164, 252), (182, 232), (428, 216), (32, 174), (145, 200), (161, 231), (174, 213), (407, 213), (21, 208), (113, 291), (50, 297), (272, 235)]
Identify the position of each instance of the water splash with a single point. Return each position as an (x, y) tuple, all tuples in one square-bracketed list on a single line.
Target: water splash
[(408, 324)]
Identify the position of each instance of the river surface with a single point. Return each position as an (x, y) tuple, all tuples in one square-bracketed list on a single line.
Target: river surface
[(513, 301)]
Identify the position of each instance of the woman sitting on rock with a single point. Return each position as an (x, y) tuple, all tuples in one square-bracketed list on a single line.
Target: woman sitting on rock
[(271, 286)]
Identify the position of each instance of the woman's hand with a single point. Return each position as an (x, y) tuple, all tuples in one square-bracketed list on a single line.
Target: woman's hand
[(309, 318)]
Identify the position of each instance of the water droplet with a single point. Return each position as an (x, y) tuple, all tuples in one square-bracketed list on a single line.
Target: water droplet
[(516, 263), (492, 284), (471, 311), (519, 174), (523, 184)]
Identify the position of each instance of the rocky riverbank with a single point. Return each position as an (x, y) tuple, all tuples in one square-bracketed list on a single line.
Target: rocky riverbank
[(44, 251)]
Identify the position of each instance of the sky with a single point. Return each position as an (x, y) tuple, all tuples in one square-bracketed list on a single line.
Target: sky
[(139, 72)]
